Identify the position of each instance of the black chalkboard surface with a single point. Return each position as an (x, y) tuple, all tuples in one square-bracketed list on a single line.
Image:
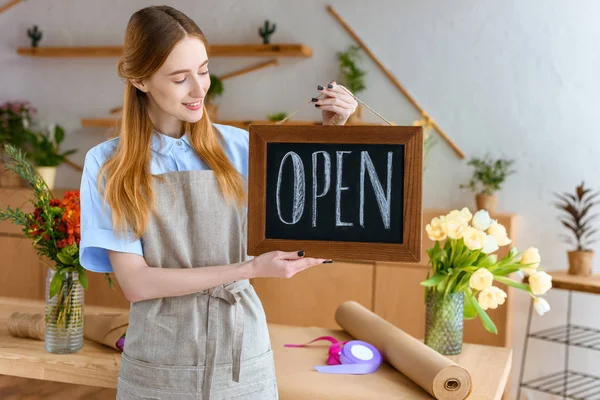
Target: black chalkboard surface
[(340, 192), (324, 191)]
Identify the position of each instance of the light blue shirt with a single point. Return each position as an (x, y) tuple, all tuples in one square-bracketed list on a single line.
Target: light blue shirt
[(168, 154)]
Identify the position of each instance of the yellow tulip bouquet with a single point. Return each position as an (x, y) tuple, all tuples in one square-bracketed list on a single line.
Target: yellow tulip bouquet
[(465, 264)]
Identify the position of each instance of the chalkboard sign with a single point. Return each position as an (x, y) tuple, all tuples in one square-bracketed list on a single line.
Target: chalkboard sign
[(340, 192)]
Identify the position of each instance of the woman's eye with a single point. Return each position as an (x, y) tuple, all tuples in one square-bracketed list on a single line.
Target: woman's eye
[(180, 82), (204, 73)]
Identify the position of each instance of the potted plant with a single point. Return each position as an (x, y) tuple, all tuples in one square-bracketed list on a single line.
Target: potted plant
[(352, 77), (277, 116), (215, 90), (54, 229), (43, 151), (579, 219), (488, 176), (464, 267), (15, 120)]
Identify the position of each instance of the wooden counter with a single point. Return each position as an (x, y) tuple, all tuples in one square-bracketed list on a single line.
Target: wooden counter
[(97, 365)]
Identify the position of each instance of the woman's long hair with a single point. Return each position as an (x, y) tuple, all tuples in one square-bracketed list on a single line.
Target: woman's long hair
[(151, 34)]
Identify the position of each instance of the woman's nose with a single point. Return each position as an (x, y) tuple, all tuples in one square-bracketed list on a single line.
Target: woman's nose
[(198, 90)]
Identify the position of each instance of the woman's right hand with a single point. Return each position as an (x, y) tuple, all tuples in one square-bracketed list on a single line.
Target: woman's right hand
[(281, 264)]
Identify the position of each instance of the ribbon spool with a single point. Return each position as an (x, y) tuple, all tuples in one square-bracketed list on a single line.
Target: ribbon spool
[(349, 357)]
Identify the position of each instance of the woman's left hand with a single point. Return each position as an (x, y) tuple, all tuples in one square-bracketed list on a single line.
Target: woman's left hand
[(337, 105)]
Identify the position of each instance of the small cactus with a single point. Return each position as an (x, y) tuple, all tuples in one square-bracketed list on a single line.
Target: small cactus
[(266, 32), (35, 35)]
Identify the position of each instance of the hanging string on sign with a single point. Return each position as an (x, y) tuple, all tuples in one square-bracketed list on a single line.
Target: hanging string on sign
[(322, 96)]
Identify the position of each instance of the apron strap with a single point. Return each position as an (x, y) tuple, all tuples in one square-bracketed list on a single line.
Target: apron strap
[(228, 293)]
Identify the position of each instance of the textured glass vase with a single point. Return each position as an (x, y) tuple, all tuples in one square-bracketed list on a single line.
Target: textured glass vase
[(64, 315), (444, 322)]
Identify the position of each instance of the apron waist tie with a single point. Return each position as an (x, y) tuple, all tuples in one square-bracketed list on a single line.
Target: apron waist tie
[(228, 293)]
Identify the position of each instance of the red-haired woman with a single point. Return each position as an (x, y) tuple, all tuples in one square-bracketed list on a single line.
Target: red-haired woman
[(164, 207)]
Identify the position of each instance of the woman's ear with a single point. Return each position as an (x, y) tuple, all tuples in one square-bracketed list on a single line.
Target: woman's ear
[(140, 84)]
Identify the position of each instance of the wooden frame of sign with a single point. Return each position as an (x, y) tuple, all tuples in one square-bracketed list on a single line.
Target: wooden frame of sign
[(382, 223)]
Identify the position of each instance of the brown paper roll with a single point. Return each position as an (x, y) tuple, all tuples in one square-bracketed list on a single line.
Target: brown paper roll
[(105, 329), (438, 375)]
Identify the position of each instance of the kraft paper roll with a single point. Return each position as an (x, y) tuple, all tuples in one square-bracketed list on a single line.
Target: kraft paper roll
[(435, 373), (105, 328)]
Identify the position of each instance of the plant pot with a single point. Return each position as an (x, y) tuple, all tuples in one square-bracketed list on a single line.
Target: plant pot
[(486, 202), (9, 179), (48, 174), (444, 322), (356, 117), (212, 110), (580, 262), (64, 314)]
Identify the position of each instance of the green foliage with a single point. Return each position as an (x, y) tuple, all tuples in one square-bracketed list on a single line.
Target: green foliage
[(15, 120), (351, 76), (579, 221), (215, 90), (43, 150), (35, 35), (277, 116), (489, 174), (266, 31)]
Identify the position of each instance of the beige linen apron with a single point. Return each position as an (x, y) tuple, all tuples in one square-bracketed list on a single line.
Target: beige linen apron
[(213, 344)]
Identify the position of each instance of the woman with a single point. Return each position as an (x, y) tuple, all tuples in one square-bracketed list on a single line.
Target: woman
[(164, 207)]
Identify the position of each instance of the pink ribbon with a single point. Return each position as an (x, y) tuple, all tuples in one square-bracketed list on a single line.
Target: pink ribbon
[(334, 350)]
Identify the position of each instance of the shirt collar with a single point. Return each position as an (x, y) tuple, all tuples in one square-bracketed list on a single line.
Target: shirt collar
[(163, 144)]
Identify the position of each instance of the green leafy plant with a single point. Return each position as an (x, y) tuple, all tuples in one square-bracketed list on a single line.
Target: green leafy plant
[(276, 116), (43, 149), (215, 90), (577, 208), (489, 174), (15, 121), (351, 76)]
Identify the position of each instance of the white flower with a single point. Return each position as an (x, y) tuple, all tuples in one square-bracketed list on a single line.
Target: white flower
[(463, 215), (491, 244), (499, 232), (482, 220), (454, 228), (541, 306), (434, 230), (540, 282), (435, 234), (474, 238), (481, 279), (491, 297), (531, 256)]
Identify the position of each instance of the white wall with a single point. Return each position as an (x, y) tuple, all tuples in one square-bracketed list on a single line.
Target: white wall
[(512, 78)]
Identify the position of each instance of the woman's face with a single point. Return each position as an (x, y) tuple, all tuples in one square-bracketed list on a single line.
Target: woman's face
[(179, 87)]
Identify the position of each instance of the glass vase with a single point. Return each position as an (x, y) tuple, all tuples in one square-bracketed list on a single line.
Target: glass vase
[(64, 314), (444, 322)]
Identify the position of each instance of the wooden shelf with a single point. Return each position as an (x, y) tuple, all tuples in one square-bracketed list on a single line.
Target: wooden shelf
[(113, 123), (243, 50), (586, 284)]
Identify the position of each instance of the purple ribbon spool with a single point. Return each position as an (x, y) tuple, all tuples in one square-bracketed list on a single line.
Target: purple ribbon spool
[(357, 357)]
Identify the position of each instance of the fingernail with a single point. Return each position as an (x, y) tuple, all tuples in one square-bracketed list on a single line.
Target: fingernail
[(314, 100), (301, 253), (330, 86), (327, 262), (317, 105), (320, 87)]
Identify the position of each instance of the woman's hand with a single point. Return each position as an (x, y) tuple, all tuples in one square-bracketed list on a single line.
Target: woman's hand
[(279, 264), (337, 105)]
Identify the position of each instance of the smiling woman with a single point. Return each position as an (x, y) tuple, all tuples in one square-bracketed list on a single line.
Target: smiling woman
[(163, 205)]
